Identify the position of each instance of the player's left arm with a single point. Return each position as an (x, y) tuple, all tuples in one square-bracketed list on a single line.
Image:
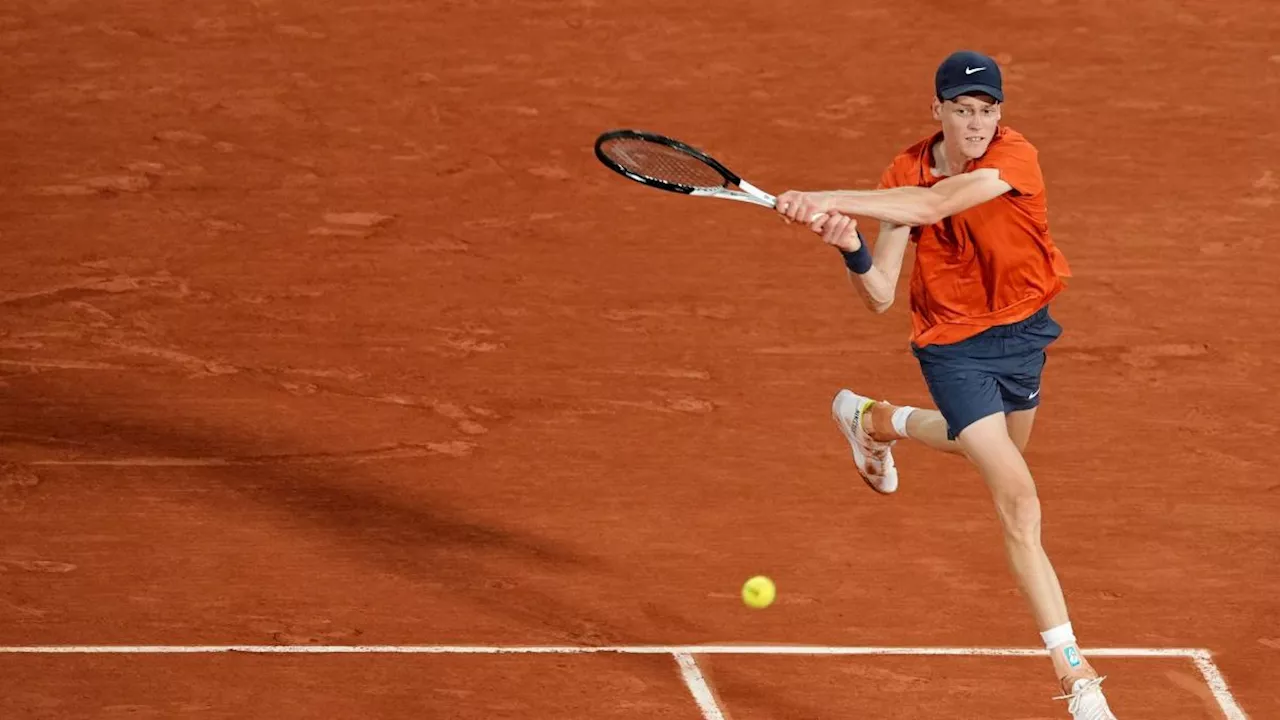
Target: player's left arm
[(874, 273), (911, 206)]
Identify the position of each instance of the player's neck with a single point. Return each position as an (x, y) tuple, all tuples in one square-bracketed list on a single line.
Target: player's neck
[(943, 165)]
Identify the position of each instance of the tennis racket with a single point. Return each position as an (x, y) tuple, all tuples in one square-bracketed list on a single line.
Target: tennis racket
[(661, 162)]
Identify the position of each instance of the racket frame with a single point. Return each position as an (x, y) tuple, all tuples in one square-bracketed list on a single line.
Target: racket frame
[(748, 193)]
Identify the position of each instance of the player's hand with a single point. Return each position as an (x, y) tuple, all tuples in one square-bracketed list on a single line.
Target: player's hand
[(838, 230), (796, 206)]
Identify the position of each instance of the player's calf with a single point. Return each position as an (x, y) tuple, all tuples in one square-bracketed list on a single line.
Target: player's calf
[(888, 423)]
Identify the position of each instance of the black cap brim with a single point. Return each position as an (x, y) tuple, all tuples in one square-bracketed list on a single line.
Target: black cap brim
[(955, 92)]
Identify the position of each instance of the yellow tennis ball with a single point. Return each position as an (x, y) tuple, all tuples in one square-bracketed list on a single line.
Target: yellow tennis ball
[(759, 592)]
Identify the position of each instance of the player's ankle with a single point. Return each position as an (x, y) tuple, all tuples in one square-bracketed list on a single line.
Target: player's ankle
[(1064, 651), (1069, 681), (885, 422)]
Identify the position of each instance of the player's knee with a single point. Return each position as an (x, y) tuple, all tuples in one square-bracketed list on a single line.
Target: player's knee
[(1020, 515)]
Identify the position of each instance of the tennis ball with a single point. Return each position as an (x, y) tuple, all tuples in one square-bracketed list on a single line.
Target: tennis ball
[(758, 592)]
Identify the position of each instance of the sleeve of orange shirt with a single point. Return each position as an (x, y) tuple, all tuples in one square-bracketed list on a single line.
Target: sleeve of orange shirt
[(1018, 163), (897, 175), (889, 178)]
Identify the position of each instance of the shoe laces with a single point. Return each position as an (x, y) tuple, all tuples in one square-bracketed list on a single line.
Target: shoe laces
[(1091, 689)]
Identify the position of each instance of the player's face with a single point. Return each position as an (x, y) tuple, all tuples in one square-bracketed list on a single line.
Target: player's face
[(968, 122)]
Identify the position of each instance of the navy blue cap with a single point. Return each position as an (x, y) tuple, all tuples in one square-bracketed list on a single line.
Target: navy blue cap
[(966, 71)]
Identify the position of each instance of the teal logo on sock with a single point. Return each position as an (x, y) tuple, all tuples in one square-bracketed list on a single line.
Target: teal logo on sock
[(1073, 656)]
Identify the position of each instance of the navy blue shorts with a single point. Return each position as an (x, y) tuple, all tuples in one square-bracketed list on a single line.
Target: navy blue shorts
[(997, 370)]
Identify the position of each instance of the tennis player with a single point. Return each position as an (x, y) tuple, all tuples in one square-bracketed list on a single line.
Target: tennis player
[(972, 198)]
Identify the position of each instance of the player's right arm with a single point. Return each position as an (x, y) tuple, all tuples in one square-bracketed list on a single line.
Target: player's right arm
[(878, 285)]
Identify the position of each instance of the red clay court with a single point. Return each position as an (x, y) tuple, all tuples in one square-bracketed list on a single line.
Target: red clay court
[(323, 335)]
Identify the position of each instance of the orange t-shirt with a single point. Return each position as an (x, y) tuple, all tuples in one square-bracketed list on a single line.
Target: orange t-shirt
[(990, 265)]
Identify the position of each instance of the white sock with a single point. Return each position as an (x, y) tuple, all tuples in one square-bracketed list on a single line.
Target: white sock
[(900, 419), (1058, 636)]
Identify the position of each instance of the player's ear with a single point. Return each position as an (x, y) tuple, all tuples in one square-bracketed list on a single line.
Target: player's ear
[(937, 109)]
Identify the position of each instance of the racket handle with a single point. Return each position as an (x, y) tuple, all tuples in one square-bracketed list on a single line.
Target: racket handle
[(771, 200)]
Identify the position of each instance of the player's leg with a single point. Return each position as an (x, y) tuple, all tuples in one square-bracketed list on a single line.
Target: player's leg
[(872, 428), (960, 390), (995, 445), (886, 422), (993, 452), (988, 444)]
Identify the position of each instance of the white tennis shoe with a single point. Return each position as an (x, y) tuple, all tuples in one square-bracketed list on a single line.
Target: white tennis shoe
[(873, 458)]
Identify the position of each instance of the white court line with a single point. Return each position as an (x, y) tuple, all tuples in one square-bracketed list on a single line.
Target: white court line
[(698, 687), (1218, 686), (683, 654)]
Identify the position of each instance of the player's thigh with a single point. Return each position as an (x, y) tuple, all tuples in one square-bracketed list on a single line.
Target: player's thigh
[(992, 449), (1019, 424)]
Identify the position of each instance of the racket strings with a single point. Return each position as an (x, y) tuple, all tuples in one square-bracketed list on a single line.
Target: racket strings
[(662, 162)]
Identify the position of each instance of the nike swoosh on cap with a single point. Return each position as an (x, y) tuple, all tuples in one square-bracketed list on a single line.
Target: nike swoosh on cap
[(968, 71)]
